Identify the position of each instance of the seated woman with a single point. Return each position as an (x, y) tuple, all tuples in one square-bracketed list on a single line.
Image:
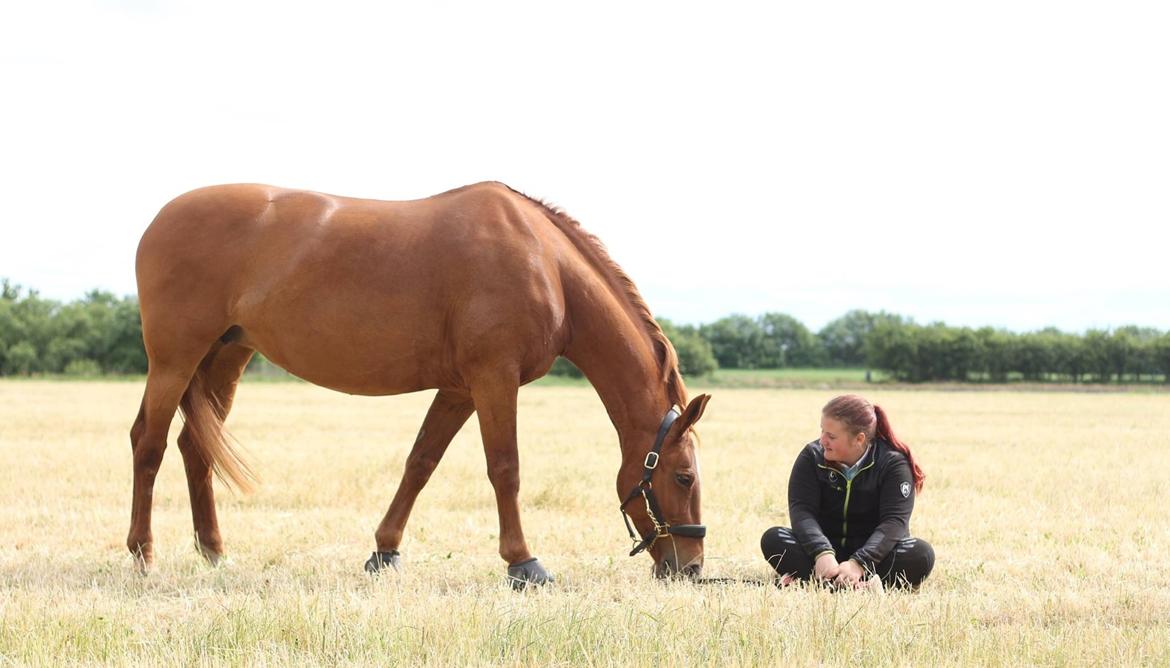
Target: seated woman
[(850, 496)]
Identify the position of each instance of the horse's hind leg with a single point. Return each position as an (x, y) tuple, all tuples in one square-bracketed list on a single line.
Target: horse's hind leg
[(448, 412), (221, 370), (165, 385)]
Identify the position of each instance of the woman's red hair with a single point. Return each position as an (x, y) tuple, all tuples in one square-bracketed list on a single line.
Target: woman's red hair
[(859, 415)]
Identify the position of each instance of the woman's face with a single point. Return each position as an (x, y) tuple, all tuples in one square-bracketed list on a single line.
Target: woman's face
[(840, 445)]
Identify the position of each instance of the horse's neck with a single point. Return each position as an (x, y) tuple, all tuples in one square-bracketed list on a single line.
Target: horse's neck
[(616, 354)]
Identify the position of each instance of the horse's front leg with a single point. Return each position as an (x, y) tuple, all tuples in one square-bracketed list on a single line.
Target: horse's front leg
[(448, 411), (495, 403)]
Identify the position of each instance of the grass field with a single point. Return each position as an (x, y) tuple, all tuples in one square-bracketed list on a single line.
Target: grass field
[(1046, 512)]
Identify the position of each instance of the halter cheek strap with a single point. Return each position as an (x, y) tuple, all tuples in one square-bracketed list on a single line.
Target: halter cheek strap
[(644, 487)]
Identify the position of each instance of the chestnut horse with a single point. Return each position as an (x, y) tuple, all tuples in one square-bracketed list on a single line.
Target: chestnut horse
[(473, 292)]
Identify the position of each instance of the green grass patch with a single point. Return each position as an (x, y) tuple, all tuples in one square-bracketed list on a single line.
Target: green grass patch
[(786, 377), (752, 378)]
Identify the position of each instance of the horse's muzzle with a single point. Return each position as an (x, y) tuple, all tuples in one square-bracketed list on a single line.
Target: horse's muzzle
[(669, 568)]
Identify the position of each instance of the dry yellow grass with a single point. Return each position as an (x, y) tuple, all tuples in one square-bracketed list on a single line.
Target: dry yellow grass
[(1047, 512)]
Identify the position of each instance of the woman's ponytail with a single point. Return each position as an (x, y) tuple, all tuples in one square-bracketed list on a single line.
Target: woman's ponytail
[(885, 432)]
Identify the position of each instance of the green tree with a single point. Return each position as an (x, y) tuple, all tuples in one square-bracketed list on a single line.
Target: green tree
[(929, 359), (695, 357), (61, 352), (786, 342), (12, 329), (8, 329), (893, 347), (963, 353), (1161, 356), (735, 340), (25, 329), (844, 338), (99, 328), (1098, 354), (563, 367), (9, 292), (1121, 348), (1139, 359), (21, 359), (1067, 354), (120, 349), (995, 345), (1030, 355)]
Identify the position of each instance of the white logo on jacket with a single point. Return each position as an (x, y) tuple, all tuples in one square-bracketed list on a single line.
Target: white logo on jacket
[(905, 490)]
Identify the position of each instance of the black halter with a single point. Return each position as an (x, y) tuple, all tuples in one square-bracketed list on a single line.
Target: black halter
[(646, 489)]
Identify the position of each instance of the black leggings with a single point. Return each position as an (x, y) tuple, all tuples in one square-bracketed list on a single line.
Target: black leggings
[(907, 565)]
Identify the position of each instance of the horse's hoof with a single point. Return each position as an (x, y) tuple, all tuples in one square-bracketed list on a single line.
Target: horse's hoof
[(528, 572), (212, 557), (143, 559), (380, 560)]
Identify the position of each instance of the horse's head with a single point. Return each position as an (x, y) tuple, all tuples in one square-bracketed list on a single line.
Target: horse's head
[(660, 494)]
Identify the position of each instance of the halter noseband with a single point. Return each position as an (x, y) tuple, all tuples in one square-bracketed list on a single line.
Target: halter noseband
[(646, 489)]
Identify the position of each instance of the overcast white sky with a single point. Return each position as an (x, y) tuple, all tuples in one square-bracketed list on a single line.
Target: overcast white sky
[(990, 163)]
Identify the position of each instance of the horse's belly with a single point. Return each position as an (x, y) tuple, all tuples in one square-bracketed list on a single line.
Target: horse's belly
[(378, 377), (351, 358)]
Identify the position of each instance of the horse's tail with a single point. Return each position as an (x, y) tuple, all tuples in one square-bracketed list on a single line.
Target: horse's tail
[(204, 417)]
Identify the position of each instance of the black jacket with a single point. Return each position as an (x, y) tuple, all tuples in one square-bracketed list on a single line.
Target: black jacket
[(862, 518)]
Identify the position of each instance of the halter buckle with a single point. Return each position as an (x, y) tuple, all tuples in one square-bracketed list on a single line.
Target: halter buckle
[(651, 465)]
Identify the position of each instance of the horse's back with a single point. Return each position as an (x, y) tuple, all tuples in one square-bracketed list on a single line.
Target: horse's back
[(208, 219), (404, 289)]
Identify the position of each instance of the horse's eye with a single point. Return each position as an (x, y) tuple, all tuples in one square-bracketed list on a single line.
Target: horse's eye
[(685, 479)]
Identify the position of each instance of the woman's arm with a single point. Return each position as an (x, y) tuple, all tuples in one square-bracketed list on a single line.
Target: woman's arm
[(804, 503), (895, 503)]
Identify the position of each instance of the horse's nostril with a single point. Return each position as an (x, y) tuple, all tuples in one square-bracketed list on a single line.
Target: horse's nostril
[(692, 571)]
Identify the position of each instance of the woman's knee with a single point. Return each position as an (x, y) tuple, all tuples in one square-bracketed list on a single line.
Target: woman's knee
[(913, 562), (784, 553), (776, 541), (924, 555)]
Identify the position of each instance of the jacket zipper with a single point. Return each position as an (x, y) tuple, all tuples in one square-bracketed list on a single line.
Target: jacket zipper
[(845, 510)]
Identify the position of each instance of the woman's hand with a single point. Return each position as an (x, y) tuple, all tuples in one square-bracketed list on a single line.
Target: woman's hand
[(849, 573), (826, 567)]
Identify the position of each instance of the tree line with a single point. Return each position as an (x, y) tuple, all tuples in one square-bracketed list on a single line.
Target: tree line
[(911, 352), (97, 334), (102, 334)]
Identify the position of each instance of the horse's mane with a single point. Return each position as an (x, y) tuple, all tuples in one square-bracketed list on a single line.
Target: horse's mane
[(624, 288)]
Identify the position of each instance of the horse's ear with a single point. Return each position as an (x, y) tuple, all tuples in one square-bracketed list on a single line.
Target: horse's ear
[(693, 411)]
